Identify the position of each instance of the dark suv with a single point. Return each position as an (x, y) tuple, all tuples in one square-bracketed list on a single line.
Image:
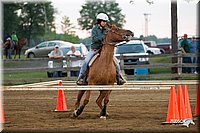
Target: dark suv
[(130, 49)]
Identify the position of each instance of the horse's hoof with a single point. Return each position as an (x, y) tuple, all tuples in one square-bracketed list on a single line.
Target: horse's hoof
[(75, 114), (103, 117), (107, 114)]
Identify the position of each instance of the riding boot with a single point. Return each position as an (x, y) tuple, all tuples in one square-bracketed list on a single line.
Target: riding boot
[(120, 79), (81, 80)]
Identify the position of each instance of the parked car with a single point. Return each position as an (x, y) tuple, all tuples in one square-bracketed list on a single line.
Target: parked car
[(151, 50), (150, 43), (130, 49), (167, 47), (42, 49)]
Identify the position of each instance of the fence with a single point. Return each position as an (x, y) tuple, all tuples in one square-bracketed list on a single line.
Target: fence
[(41, 65)]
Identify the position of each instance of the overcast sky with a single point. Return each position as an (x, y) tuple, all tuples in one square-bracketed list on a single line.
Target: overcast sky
[(159, 19)]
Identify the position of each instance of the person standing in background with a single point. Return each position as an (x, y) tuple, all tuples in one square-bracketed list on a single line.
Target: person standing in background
[(193, 49), (185, 48)]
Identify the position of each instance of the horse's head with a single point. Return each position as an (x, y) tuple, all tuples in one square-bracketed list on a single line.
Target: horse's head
[(23, 41), (116, 35)]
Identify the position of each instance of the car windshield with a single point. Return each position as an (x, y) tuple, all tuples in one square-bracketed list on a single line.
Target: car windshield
[(130, 48)]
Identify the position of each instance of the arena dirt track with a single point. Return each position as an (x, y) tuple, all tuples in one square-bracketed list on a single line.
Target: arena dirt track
[(131, 110)]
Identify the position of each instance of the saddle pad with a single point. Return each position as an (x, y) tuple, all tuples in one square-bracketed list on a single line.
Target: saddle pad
[(93, 59)]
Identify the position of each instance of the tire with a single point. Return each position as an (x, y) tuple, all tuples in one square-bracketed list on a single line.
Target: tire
[(31, 55)]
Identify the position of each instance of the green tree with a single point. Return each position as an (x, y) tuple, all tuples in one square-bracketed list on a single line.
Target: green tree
[(67, 26), (10, 17), (90, 10), (36, 19)]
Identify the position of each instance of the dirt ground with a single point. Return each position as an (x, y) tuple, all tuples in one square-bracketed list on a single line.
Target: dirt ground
[(129, 111)]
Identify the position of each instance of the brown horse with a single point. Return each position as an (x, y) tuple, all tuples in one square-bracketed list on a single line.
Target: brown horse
[(103, 70), (18, 47)]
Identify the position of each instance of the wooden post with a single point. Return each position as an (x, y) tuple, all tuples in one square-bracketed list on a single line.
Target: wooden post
[(180, 62), (174, 33), (122, 64)]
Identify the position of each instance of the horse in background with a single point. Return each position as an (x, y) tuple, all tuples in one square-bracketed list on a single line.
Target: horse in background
[(103, 70), (18, 46)]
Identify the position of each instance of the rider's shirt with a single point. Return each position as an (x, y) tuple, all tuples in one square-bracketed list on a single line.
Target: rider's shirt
[(14, 37), (97, 37)]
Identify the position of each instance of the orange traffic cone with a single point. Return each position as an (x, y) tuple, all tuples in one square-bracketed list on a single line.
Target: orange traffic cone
[(2, 119), (181, 105), (197, 107), (61, 100), (188, 111), (172, 114)]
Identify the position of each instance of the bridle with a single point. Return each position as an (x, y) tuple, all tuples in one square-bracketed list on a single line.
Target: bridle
[(124, 36)]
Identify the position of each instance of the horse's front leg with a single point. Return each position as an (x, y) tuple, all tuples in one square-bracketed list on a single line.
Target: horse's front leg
[(79, 110), (99, 100), (103, 95), (78, 99), (19, 53)]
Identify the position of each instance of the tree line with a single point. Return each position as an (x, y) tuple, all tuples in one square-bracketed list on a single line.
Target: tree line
[(36, 21)]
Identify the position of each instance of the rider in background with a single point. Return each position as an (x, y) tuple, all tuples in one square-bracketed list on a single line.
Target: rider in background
[(98, 34), (14, 38), (8, 48)]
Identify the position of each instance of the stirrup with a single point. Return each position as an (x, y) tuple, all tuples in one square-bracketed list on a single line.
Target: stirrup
[(81, 82), (121, 82)]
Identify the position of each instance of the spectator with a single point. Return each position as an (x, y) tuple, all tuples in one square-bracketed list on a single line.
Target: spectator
[(8, 48), (72, 57), (14, 39), (73, 53), (56, 54), (193, 49), (185, 48)]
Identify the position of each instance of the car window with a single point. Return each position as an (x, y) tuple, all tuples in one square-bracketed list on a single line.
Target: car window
[(52, 44), (42, 45), (130, 48)]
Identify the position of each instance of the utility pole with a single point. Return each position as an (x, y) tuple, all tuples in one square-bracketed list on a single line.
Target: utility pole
[(146, 24)]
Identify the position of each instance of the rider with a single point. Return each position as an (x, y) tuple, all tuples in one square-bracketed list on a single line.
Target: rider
[(14, 38), (98, 33)]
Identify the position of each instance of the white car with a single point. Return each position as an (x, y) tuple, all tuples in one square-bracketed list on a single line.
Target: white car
[(151, 50)]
